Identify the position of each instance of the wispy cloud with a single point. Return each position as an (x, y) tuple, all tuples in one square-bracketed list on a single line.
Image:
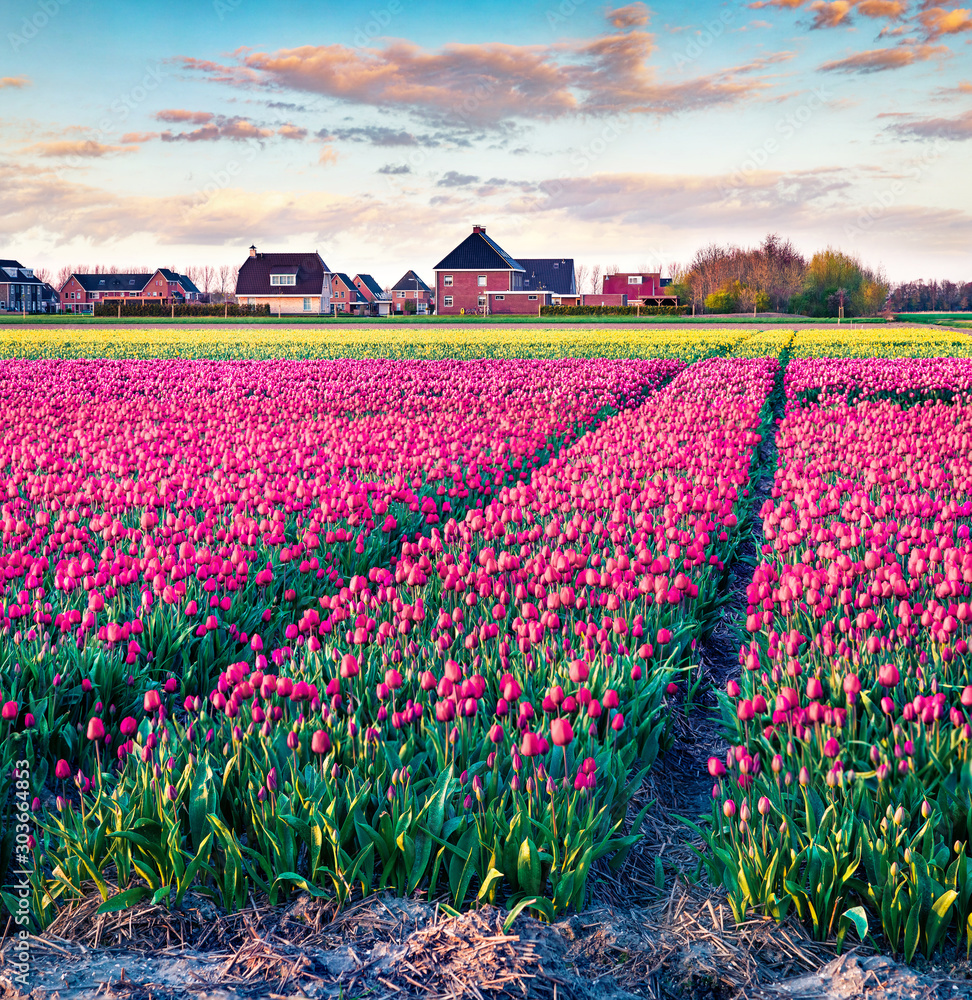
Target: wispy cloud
[(179, 116), (488, 84), (289, 131), (85, 148), (879, 60), (957, 128), (395, 169), (453, 179), (939, 21), (14, 81), (234, 128)]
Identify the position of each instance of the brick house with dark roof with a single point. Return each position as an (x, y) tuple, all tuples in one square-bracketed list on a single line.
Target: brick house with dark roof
[(411, 288), (549, 274), (82, 292), (477, 274), (286, 282), (379, 302), (346, 296)]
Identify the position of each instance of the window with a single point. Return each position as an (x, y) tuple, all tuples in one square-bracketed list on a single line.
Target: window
[(399, 295), (481, 281), (500, 298), (447, 281), (306, 305), (634, 279), (532, 298), (482, 301), (283, 279), (447, 301)]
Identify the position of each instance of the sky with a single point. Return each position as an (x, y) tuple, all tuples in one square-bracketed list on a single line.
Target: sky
[(378, 133)]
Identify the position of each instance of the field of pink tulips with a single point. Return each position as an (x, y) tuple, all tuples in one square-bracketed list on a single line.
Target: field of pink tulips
[(422, 626), (847, 793), (355, 625)]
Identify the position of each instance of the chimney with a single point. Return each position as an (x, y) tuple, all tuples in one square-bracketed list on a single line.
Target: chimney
[(253, 251), (479, 229)]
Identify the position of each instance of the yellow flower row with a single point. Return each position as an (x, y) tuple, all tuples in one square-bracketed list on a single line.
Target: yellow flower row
[(364, 342), (881, 342)]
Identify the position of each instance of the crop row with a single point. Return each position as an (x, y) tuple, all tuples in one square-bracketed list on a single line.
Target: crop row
[(846, 796)]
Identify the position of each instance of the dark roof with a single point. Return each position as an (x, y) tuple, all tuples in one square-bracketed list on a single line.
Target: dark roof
[(21, 277), (182, 279), (373, 286), (112, 282), (407, 282), (478, 252), (255, 274), (549, 274)]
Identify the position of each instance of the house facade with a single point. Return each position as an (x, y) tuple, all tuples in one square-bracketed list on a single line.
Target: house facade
[(22, 291), (82, 292), (286, 282), (646, 287), (410, 288), (475, 269), (346, 297), (378, 300)]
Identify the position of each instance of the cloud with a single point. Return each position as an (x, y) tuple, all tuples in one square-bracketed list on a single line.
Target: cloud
[(14, 81), (395, 170), (634, 15), (138, 137), (377, 135), (453, 179), (889, 9), (178, 116), (85, 148), (289, 131), (962, 88), (937, 21), (829, 15), (235, 128), (328, 155), (488, 85), (878, 60), (957, 128)]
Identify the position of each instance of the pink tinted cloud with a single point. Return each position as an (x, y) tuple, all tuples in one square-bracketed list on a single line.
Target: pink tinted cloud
[(830, 14), (939, 21), (222, 128), (633, 15), (14, 81), (956, 129), (482, 85), (85, 148), (879, 60), (289, 131), (179, 116)]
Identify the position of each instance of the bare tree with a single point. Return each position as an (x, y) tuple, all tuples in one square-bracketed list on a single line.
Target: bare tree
[(611, 269), (43, 274), (234, 275), (208, 274), (580, 277), (62, 276), (224, 275), (596, 279)]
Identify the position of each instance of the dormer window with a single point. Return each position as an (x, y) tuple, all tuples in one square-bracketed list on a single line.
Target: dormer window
[(283, 279)]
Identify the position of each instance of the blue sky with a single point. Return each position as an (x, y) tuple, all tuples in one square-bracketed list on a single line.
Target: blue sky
[(378, 133)]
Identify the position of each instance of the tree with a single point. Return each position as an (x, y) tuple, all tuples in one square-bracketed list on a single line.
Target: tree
[(580, 277), (595, 279)]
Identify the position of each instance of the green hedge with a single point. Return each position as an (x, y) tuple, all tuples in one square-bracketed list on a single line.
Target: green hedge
[(109, 308), (613, 310)]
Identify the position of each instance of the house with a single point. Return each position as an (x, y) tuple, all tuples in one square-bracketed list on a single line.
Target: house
[(411, 288), (648, 288), (286, 282), (181, 289), (346, 297), (378, 299), (22, 291), (164, 287), (479, 276)]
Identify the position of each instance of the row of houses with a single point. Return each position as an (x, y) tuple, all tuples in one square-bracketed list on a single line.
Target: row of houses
[(477, 277)]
